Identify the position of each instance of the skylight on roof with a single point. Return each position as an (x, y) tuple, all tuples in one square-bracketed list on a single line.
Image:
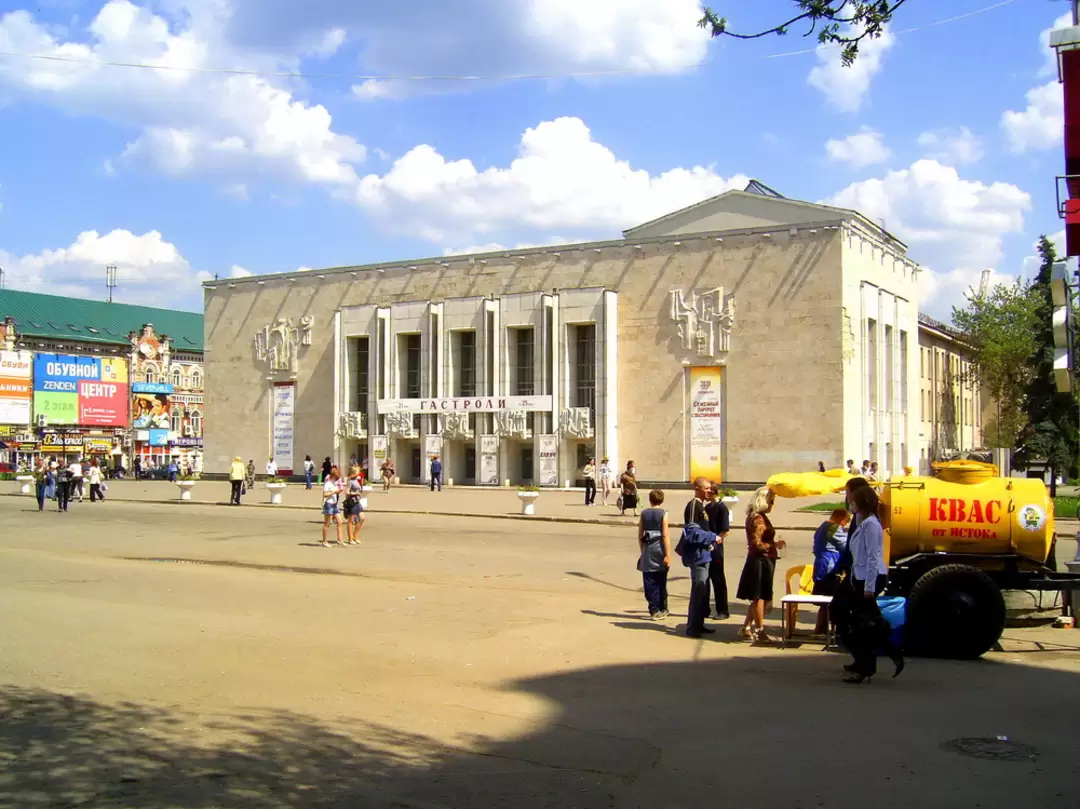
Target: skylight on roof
[(73, 328), (36, 325), (56, 326), (91, 329)]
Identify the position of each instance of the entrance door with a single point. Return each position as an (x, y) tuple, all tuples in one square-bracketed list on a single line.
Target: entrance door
[(470, 464), (417, 468), (527, 465)]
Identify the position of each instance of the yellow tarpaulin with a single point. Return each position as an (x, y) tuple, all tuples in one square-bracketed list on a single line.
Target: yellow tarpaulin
[(808, 484)]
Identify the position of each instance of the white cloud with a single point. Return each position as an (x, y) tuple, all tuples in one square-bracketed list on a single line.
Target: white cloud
[(1042, 124), (952, 146), (864, 148), (217, 125), (954, 227), (847, 87), (496, 247), (150, 270), (561, 178)]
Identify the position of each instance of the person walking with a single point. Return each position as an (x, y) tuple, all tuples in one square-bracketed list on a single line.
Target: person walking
[(436, 473), (173, 470), (76, 485), (869, 630), (331, 507), (719, 524), (388, 472), (589, 473), (605, 480), (354, 504), (249, 476), (309, 471), (271, 469), (756, 582), (654, 555), (236, 480), (63, 488), (94, 478), (42, 478), (138, 468), (326, 467)]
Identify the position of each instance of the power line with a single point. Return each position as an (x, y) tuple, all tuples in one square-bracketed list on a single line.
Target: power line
[(291, 74)]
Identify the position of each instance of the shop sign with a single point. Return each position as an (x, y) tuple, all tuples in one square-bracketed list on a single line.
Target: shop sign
[(151, 387), (61, 442), (465, 404), (69, 389), (97, 446), (157, 438), (187, 442), (16, 390)]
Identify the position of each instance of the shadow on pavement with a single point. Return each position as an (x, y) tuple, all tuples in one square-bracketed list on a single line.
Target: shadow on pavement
[(756, 731)]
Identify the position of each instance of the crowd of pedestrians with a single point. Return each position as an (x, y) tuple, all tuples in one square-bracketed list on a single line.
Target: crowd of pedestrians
[(63, 482)]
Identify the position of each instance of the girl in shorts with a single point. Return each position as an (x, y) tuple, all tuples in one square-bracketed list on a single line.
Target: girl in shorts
[(354, 504), (331, 494)]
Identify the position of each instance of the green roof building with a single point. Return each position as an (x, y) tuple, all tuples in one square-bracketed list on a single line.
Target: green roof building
[(73, 321)]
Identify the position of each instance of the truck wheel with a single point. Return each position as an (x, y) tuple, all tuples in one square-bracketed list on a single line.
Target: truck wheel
[(954, 611)]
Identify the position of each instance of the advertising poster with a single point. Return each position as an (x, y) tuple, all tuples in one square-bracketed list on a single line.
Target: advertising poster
[(151, 408), (432, 447), (489, 461), (97, 446), (16, 389), (81, 390), (549, 460), (706, 423), (378, 456), (284, 404)]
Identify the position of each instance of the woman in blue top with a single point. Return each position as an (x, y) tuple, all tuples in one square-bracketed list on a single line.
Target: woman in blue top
[(830, 543), (869, 632)]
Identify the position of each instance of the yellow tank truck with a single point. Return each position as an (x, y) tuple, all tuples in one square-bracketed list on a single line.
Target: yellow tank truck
[(954, 542)]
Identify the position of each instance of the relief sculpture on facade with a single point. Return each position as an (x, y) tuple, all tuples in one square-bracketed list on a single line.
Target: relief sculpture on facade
[(455, 426), (400, 425), (704, 322), (576, 422), (512, 424), (352, 426), (277, 345)]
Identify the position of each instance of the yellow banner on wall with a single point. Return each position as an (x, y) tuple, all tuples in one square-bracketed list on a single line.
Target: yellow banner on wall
[(706, 423)]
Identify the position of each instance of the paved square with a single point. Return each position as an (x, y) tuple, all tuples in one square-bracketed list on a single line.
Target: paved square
[(167, 655)]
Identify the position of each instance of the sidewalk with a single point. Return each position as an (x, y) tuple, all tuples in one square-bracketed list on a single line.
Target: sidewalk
[(461, 501)]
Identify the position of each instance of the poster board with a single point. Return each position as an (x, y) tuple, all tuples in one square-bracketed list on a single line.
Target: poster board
[(706, 420)]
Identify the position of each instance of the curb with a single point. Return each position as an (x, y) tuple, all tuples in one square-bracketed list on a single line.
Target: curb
[(614, 522)]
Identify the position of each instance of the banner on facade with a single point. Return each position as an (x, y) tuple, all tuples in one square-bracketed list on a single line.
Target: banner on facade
[(489, 461), (81, 390), (706, 423), (378, 455), (151, 387), (465, 404), (16, 389), (151, 411), (62, 442), (549, 460), (284, 404), (97, 446)]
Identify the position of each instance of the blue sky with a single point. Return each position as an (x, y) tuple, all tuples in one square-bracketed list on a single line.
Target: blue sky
[(950, 133)]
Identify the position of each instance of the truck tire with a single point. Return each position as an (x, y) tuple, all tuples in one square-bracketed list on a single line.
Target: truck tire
[(954, 611)]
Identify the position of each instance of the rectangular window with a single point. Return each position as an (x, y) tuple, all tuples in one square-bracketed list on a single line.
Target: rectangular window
[(584, 368), (523, 347), (890, 372), (409, 366), (465, 378), (363, 386), (872, 362)]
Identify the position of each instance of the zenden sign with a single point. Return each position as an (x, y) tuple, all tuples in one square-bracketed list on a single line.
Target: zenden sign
[(70, 389)]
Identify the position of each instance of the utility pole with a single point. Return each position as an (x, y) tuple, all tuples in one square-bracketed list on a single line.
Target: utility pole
[(110, 279)]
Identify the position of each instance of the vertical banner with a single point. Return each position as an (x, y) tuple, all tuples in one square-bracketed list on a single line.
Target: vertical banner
[(16, 390), (549, 460), (706, 423), (489, 461), (379, 445), (284, 404), (432, 447)]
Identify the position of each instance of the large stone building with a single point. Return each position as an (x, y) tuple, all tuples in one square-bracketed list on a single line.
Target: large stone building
[(742, 336)]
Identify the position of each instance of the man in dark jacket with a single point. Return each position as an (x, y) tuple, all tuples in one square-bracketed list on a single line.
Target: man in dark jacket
[(695, 548), (719, 524)]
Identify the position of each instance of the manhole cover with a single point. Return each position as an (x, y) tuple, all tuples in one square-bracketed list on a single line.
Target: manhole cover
[(992, 749)]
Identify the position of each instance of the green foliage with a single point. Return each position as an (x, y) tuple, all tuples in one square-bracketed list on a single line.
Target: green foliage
[(826, 508), (528, 488), (7, 476), (727, 492), (839, 22), (1051, 430), (1002, 326)]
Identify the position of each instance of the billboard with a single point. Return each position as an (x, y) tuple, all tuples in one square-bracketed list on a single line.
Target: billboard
[(81, 390), (284, 404), (151, 410), (706, 423), (16, 390)]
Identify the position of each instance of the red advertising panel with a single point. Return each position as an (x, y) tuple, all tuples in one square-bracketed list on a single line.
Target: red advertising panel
[(103, 404)]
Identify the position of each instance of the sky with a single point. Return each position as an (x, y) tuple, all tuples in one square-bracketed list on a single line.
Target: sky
[(288, 135)]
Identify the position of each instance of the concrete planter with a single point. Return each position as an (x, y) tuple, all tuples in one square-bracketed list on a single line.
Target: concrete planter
[(730, 501), (528, 502), (275, 490), (26, 483), (185, 487)]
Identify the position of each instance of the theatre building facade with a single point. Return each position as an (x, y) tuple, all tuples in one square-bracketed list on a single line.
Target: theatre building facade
[(745, 335)]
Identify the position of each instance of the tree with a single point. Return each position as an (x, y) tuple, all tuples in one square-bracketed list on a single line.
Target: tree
[(1051, 432), (1001, 325), (840, 22)]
